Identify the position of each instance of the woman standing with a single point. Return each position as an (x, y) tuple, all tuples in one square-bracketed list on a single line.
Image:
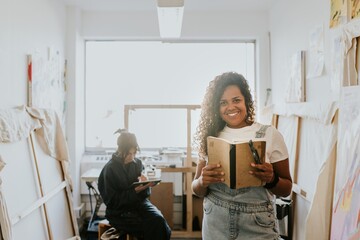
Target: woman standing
[(245, 213)]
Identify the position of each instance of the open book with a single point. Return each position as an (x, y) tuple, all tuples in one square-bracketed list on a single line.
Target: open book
[(235, 159)]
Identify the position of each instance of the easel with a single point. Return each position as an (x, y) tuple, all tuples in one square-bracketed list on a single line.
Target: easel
[(89, 177), (94, 219)]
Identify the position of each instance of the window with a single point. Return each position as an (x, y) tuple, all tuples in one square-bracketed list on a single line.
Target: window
[(120, 73)]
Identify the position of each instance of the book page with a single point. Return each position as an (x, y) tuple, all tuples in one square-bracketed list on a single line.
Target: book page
[(243, 160), (219, 152)]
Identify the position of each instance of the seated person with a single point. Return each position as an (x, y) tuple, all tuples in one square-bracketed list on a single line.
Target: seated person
[(127, 207)]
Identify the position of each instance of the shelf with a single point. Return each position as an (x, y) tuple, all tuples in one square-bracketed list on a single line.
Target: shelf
[(179, 169)]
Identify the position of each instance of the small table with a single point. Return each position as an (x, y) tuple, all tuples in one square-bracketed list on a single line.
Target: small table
[(91, 175)]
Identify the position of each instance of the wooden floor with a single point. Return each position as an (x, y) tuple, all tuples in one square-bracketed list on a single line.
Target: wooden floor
[(94, 236)]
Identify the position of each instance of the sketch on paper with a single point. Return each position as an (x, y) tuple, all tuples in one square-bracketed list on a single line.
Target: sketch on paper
[(346, 202), (46, 83), (337, 66), (338, 12), (296, 86)]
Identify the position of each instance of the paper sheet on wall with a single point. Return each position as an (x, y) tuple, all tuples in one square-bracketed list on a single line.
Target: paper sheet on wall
[(316, 52), (48, 88), (295, 91)]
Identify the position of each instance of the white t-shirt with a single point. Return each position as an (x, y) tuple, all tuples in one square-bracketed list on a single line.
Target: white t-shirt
[(276, 149)]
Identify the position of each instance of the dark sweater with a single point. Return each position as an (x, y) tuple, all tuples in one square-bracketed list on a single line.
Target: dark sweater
[(115, 188)]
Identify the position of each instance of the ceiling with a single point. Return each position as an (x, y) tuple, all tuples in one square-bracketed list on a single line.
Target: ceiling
[(189, 5)]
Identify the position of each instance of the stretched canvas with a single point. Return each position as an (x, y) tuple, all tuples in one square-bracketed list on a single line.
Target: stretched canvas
[(346, 202)]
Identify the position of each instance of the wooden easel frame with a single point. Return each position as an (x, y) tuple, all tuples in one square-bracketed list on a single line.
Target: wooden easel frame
[(43, 198)]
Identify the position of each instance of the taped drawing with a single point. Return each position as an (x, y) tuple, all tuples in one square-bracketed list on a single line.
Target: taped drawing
[(296, 86), (46, 83)]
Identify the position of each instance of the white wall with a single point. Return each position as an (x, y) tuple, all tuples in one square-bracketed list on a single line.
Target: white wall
[(75, 96), (26, 27), (291, 23), (29, 27)]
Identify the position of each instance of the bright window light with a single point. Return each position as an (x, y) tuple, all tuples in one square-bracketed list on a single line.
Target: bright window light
[(120, 73)]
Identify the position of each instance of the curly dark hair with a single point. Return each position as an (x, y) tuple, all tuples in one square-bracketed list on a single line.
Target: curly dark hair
[(211, 123)]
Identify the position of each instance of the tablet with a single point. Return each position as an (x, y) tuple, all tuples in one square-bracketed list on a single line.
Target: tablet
[(156, 181)]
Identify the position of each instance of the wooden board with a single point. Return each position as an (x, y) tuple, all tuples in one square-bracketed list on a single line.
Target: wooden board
[(162, 197)]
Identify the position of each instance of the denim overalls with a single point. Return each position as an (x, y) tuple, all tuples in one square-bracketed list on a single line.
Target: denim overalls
[(245, 213)]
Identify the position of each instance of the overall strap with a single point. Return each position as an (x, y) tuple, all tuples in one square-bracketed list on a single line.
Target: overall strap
[(261, 132)]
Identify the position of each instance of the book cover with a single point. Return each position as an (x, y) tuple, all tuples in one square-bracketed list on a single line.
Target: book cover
[(235, 159)]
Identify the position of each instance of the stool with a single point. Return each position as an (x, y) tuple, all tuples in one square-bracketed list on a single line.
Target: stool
[(105, 225)]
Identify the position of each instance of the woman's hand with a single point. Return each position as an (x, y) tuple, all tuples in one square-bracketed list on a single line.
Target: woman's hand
[(140, 188), (144, 187), (265, 173), (142, 178), (281, 186), (205, 175), (211, 173)]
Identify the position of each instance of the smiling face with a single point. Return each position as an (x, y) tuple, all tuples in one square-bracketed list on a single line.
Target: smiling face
[(232, 107)]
